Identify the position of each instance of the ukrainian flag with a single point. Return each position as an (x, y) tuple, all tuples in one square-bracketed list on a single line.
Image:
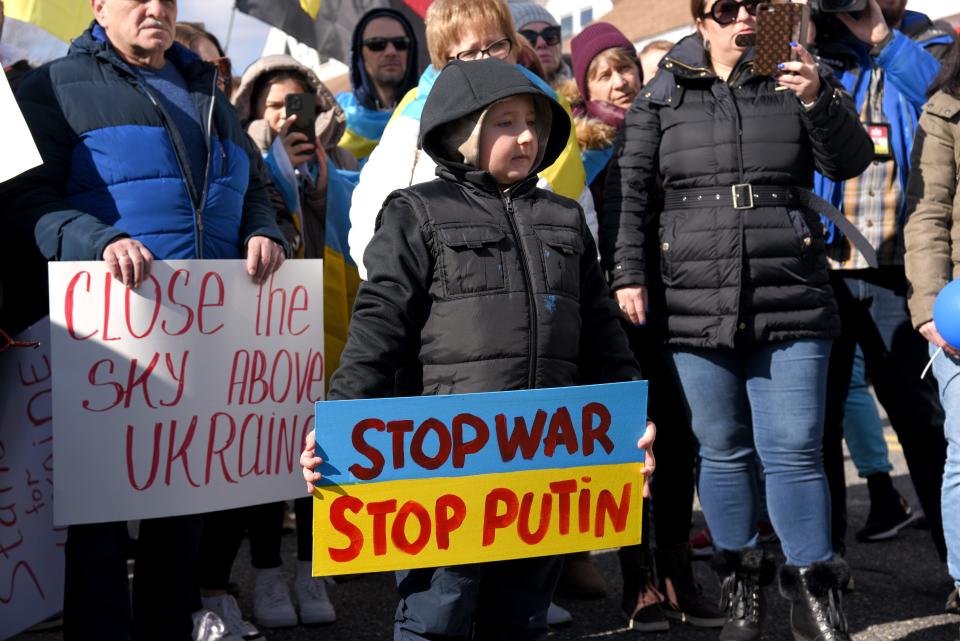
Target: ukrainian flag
[(364, 126), (65, 19), (341, 279)]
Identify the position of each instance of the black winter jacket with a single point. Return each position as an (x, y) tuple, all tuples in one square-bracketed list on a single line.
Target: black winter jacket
[(487, 290), (719, 276)]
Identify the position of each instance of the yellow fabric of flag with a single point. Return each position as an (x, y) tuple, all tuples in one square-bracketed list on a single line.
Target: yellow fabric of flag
[(312, 7), (65, 19)]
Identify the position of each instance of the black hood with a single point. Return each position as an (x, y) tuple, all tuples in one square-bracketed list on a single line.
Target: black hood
[(363, 89), (464, 90)]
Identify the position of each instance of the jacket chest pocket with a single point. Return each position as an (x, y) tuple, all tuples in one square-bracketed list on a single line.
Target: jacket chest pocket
[(471, 258), (560, 252)]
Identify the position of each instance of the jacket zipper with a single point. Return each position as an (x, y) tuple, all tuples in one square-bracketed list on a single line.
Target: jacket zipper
[(531, 299), (197, 213), (206, 173), (687, 67)]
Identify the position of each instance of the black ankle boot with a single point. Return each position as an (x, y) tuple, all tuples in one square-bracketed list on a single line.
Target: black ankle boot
[(816, 610), (684, 601), (744, 575)]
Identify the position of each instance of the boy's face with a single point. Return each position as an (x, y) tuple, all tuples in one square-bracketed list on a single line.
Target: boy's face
[(271, 105), (508, 140)]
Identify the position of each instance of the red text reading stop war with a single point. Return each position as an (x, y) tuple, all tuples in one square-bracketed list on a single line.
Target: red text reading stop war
[(176, 310), (511, 437)]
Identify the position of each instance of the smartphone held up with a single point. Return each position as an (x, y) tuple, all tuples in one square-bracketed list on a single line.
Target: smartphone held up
[(304, 105)]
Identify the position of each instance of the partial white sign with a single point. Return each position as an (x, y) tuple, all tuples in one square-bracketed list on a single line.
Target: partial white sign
[(31, 548), (192, 393), (19, 151)]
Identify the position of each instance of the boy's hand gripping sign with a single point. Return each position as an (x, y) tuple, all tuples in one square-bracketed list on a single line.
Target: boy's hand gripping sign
[(446, 480)]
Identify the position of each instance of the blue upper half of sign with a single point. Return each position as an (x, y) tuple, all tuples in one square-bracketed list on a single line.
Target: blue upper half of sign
[(390, 439)]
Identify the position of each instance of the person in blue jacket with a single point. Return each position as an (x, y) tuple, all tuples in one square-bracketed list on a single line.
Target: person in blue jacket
[(142, 157), (885, 57)]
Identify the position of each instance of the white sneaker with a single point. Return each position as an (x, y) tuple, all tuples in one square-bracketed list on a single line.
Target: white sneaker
[(312, 599), (207, 626), (557, 615), (225, 606), (272, 607)]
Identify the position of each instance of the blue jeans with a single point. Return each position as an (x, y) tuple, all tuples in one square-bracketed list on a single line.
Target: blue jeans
[(874, 315), (765, 400), (498, 601), (862, 428), (947, 372)]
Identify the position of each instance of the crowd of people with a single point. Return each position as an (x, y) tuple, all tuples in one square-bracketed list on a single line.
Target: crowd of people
[(745, 242)]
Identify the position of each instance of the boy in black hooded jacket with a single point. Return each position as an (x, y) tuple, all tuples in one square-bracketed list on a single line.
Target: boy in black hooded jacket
[(485, 283)]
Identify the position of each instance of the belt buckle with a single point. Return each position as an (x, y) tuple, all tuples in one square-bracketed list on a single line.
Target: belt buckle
[(742, 195)]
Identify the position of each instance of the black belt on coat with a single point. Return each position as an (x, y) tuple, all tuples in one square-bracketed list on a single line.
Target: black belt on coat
[(747, 196)]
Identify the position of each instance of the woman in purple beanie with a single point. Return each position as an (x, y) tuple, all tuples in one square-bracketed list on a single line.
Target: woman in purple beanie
[(607, 79)]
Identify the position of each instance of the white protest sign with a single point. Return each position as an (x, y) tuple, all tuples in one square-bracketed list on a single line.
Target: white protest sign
[(19, 151), (31, 548), (192, 393)]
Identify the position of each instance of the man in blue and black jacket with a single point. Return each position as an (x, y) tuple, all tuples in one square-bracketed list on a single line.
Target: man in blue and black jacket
[(143, 158), (886, 57)]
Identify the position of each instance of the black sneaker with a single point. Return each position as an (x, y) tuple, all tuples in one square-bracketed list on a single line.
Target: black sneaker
[(649, 618), (886, 520), (953, 603)]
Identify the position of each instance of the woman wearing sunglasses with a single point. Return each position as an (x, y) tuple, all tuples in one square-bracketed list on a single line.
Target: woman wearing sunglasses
[(736, 281), (542, 31)]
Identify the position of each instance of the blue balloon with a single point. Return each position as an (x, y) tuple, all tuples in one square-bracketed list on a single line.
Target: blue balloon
[(946, 313)]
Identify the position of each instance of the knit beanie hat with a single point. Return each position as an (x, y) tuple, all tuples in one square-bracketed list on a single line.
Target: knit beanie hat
[(591, 42), (526, 12)]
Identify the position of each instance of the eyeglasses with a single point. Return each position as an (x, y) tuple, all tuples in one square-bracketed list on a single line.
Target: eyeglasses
[(499, 49), (725, 12), (550, 35), (377, 45)]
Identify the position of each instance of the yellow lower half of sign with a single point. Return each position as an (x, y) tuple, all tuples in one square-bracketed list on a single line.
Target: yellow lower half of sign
[(421, 523)]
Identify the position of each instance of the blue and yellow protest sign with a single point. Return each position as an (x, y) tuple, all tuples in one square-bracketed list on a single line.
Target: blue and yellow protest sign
[(446, 480)]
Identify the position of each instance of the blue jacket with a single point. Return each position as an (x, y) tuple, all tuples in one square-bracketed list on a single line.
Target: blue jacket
[(114, 163), (909, 67)]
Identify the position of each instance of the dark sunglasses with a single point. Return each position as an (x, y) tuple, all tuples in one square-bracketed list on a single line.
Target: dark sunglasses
[(380, 44), (725, 12), (550, 35)]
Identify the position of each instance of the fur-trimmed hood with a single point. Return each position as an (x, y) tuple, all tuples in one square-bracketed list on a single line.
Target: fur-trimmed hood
[(331, 119), (592, 133)]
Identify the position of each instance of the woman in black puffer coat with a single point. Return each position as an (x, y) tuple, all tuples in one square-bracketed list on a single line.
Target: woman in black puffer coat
[(731, 268)]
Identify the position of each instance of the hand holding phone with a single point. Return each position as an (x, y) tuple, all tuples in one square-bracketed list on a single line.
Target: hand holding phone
[(299, 147), (802, 76)]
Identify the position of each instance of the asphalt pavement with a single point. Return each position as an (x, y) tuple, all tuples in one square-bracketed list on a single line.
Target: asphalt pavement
[(900, 591)]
